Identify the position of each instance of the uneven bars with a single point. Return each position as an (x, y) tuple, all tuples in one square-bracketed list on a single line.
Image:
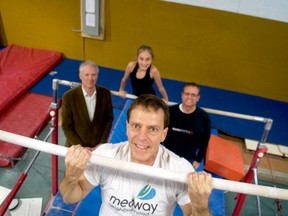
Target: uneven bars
[(221, 184), (235, 115), (213, 111)]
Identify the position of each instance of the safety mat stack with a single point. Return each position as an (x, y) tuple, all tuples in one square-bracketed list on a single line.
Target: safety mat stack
[(22, 112)]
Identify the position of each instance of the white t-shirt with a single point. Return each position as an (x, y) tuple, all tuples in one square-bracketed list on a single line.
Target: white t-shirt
[(126, 193)]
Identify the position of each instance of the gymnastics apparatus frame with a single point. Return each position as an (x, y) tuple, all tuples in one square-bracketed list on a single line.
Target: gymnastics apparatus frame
[(243, 188)]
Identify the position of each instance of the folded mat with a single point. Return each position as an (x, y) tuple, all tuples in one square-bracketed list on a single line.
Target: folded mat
[(27, 116), (224, 158), (21, 68)]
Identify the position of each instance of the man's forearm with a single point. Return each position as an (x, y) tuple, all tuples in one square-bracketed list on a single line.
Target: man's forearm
[(70, 191), (201, 212)]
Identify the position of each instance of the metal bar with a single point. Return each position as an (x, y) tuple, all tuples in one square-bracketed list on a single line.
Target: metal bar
[(140, 169)]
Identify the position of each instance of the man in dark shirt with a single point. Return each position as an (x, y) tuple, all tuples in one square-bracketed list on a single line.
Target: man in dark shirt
[(190, 127)]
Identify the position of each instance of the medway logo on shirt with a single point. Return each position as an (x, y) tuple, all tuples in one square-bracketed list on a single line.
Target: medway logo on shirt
[(136, 206)]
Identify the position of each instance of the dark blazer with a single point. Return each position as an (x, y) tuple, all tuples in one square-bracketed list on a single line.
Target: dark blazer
[(76, 124)]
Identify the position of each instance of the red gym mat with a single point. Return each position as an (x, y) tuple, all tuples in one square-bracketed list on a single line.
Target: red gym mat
[(20, 112), (21, 68), (27, 116)]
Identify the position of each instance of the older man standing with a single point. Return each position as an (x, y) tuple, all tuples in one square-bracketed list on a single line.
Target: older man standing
[(87, 112)]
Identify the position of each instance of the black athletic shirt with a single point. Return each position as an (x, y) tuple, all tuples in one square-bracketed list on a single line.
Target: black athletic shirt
[(188, 134)]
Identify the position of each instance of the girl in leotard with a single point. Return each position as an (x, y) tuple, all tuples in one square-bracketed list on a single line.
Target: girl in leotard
[(143, 73)]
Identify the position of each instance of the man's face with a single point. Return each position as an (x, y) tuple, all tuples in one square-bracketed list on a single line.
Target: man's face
[(145, 132), (190, 96), (89, 76)]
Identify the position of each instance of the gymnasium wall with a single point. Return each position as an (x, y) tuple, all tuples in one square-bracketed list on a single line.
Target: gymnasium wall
[(214, 48)]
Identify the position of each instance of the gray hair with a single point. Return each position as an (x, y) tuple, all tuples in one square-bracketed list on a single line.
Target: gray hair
[(91, 63)]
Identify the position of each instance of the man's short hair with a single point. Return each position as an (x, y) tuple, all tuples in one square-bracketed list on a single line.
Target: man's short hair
[(192, 84), (150, 102), (88, 62)]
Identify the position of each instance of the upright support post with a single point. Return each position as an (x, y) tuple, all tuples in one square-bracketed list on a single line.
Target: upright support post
[(259, 153), (54, 122), (54, 113), (255, 170)]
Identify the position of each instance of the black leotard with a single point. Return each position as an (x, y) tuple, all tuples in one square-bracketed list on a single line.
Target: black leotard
[(144, 85)]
